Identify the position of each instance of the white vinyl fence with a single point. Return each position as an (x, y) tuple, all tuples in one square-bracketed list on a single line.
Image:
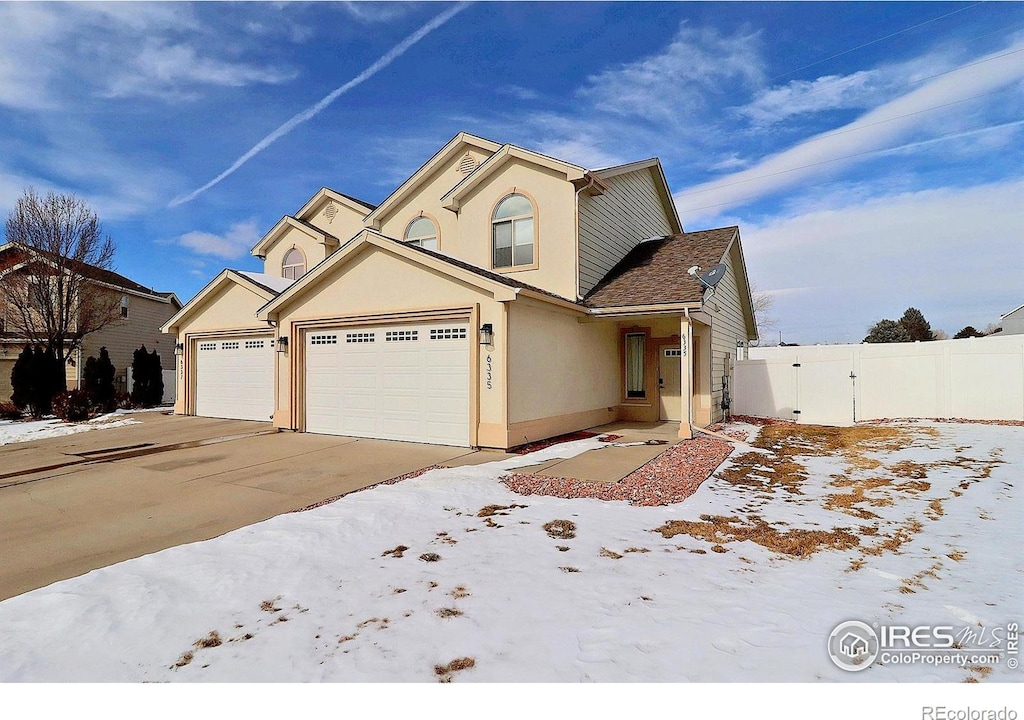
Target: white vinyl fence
[(170, 387), (973, 378)]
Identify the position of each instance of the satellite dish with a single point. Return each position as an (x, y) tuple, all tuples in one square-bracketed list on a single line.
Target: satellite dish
[(712, 276)]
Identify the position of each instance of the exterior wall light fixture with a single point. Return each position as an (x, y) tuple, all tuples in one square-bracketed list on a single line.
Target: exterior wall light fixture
[(282, 344), (487, 334)]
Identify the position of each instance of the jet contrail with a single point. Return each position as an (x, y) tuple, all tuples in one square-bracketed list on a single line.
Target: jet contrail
[(311, 112)]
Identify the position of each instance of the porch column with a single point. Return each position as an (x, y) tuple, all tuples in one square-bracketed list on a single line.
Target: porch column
[(686, 376)]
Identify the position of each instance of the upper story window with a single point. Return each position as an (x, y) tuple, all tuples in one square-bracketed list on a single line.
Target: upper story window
[(512, 232), (124, 306), (294, 264), (422, 232)]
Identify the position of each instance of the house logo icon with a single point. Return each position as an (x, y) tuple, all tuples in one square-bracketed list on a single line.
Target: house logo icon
[(853, 646)]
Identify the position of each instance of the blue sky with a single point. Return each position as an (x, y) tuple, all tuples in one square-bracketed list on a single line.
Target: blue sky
[(871, 153)]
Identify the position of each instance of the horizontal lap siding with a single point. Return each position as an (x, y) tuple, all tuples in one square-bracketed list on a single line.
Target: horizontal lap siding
[(612, 224), (727, 327), (142, 327)]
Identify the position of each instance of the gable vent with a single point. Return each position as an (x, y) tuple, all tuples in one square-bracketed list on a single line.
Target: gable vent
[(330, 211), (467, 164)]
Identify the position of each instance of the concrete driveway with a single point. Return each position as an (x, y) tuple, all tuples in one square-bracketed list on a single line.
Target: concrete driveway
[(73, 504)]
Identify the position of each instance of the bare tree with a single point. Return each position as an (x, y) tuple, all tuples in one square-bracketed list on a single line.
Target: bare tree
[(763, 303), (51, 278)]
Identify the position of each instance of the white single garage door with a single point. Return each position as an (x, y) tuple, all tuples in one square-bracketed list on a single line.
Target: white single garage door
[(235, 378), (395, 382)]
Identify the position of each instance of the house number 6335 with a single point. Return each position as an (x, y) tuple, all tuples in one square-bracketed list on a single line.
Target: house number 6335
[(489, 376)]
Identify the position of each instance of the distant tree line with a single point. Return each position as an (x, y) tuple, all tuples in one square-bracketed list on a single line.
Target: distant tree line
[(913, 327)]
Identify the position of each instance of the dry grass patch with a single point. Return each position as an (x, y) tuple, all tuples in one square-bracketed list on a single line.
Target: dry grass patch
[(797, 543), (270, 605), (560, 529), (957, 555), (605, 552), (210, 641), (856, 565), (445, 672), (396, 551), (430, 557), (935, 510), (459, 592), (569, 569), (562, 548), (636, 550), (448, 612), (184, 660), (489, 510), (904, 534)]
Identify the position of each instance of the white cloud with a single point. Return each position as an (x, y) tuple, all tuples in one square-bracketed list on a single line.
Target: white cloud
[(873, 131), (234, 243), (173, 71), (518, 92), (952, 252), (43, 68), (800, 97), (378, 12), (674, 85)]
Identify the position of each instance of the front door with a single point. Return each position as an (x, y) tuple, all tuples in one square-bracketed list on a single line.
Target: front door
[(669, 385)]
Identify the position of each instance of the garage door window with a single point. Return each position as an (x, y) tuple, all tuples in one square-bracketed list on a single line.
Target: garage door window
[(402, 335), (448, 333), (323, 340), (360, 337)]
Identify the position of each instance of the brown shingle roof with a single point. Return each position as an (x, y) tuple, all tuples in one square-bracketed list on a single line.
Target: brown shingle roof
[(654, 272), (91, 271)]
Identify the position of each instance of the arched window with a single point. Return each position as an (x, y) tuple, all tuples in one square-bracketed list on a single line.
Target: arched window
[(512, 232), (294, 265), (422, 232)]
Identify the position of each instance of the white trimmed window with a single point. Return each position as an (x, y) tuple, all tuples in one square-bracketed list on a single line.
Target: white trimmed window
[(422, 232), (124, 306), (512, 232), (294, 264)]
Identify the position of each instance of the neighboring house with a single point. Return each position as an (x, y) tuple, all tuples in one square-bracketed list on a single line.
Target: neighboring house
[(1012, 323), (142, 313), (496, 297)]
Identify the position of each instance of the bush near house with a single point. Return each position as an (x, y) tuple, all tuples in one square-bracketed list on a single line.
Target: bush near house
[(73, 405), (98, 381), (10, 411), (147, 378), (37, 376)]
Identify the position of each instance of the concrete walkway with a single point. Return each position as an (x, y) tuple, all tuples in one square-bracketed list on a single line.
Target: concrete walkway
[(617, 459), (72, 504)]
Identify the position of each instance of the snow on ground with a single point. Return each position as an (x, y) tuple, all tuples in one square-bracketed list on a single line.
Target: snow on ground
[(15, 431), (317, 596)]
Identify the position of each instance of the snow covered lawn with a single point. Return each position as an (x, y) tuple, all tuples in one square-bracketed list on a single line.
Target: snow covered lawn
[(12, 431), (452, 576)]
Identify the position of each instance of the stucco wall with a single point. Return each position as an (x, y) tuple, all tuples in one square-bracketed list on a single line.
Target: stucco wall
[(560, 370), (427, 199), (313, 249), (355, 288), (346, 223), (613, 223), (467, 235)]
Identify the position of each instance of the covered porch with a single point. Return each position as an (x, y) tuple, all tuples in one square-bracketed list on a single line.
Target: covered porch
[(665, 368)]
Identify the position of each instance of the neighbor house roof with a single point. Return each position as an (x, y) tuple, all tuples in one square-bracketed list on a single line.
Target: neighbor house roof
[(654, 272), (101, 275)]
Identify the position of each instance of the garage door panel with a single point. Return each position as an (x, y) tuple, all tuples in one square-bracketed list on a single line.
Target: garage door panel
[(235, 378), (401, 382)]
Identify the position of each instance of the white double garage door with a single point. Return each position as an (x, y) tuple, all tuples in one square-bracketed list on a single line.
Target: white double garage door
[(395, 382)]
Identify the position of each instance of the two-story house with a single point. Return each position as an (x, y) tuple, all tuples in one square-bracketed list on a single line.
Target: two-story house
[(496, 297), (140, 314)]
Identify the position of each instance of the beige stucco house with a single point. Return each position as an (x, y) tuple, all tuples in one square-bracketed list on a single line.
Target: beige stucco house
[(496, 297), (141, 312)]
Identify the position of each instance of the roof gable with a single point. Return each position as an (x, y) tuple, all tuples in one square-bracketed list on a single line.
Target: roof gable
[(284, 225), (508, 153), (250, 281), (660, 183), (502, 288), (447, 154), (325, 193)]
